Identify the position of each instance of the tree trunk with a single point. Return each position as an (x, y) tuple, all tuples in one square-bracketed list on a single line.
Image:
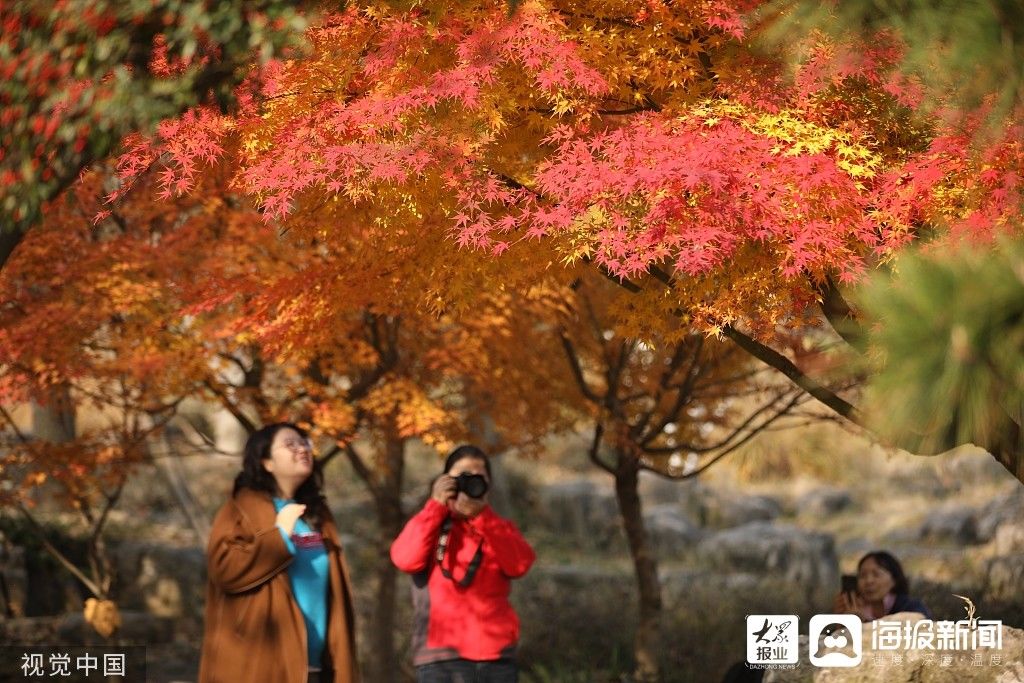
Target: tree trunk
[(648, 632), (383, 662)]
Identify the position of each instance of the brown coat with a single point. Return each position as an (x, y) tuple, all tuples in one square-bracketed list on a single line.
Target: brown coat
[(255, 632)]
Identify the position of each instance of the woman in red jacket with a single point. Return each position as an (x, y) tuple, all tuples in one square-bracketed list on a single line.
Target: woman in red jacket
[(463, 557)]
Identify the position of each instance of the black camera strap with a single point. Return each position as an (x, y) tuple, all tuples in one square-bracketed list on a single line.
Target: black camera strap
[(442, 547)]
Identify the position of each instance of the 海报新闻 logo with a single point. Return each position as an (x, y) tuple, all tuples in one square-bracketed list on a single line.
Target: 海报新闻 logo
[(835, 640)]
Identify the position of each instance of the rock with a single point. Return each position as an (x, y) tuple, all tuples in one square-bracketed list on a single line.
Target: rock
[(823, 501), (582, 510), (805, 558), (1009, 538), (1004, 577), (1007, 509), (722, 511), (165, 581), (29, 630), (655, 490), (670, 533), (954, 524), (137, 627)]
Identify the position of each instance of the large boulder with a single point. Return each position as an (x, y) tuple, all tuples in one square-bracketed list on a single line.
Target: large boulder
[(720, 510), (805, 558), (824, 501), (657, 490), (137, 628), (956, 524), (1006, 510), (670, 532), (164, 581), (582, 510), (1004, 577)]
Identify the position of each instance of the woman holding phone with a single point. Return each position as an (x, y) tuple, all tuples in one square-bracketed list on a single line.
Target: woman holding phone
[(880, 588)]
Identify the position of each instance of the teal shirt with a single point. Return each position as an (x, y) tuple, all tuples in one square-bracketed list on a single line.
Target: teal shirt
[(308, 575)]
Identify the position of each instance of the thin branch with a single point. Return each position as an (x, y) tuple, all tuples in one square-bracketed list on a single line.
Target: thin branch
[(234, 360), (231, 407), (595, 446), (206, 441), (786, 367), (577, 370), (840, 315), (17, 432), (725, 441), (59, 556), (730, 449), (770, 357), (683, 397), (364, 472)]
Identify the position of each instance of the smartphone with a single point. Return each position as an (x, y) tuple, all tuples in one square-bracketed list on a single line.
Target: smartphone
[(849, 583)]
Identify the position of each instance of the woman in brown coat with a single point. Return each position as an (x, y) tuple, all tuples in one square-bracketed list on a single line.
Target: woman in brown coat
[(278, 597)]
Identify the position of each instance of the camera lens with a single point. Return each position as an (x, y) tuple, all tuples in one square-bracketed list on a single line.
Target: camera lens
[(473, 485)]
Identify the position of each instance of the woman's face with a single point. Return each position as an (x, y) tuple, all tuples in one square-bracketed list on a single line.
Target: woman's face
[(291, 457), (874, 581), (465, 505)]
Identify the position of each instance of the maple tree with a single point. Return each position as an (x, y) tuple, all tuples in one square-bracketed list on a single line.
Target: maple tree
[(265, 327), (923, 325), (72, 319), (564, 121), (673, 405), (729, 192)]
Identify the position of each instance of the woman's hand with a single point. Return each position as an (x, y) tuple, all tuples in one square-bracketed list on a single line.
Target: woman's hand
[(847, 603), (288, 515), (444, 489)]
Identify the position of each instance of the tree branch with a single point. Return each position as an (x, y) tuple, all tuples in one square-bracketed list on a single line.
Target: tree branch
[(595, 446), (577, 370), (59, 556), (840, 315), (776, 360)]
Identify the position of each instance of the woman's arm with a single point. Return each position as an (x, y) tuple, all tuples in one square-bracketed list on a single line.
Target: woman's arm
[(240, 558), (514, 554), (412, 549)]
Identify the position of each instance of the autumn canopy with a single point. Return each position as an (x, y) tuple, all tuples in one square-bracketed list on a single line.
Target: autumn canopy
[(401, 219)]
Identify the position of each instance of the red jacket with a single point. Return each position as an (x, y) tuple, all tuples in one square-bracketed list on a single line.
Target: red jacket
[(476, 622)]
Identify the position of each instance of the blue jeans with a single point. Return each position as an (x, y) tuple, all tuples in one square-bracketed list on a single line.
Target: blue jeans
[(466, 671)]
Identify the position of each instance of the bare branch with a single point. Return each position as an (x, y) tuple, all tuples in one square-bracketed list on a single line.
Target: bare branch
[(363, 470), (776, 360), (840, 315), (718, 456), (595, 446), (577, 370), (59, 556), (231, 406)]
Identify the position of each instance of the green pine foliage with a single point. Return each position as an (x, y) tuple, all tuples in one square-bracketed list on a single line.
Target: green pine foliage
[(948, 333)]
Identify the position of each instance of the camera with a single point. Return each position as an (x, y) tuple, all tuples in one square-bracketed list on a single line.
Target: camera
[(473, 485)]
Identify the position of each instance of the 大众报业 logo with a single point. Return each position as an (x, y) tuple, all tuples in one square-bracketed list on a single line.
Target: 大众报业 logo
[(772, 639)]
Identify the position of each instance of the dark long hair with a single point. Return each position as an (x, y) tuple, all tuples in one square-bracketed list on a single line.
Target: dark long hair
[(255, 476), (890, 564), (467, 451)]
